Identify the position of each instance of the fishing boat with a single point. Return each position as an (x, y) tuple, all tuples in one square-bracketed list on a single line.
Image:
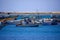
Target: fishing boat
[(11, 22), (28, 25), (17, 23)]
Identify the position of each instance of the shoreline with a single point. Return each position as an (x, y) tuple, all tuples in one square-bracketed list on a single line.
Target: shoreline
[(30, 12)]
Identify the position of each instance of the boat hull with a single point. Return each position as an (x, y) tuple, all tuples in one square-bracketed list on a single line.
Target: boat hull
[(28, 25)]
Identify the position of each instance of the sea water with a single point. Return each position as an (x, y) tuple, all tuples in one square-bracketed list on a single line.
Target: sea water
[(43, 32)]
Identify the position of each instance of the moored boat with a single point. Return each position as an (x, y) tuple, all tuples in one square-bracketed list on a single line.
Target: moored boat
[(28, 25)]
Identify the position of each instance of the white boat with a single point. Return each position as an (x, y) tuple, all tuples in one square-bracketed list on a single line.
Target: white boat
[(13, 21)]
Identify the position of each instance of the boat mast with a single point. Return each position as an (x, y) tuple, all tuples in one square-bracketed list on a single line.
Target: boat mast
[(37, 11)]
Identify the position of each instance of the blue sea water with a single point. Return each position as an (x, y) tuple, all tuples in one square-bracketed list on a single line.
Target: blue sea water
[(43, 32)]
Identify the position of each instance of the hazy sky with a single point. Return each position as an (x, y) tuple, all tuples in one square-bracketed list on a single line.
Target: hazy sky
[(29, 5)]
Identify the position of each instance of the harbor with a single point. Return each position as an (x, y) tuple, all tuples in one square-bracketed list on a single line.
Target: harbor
[(47, 27)]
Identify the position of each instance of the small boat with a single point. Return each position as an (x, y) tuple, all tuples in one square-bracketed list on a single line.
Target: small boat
[(45, 21), (2, 25), (28, 25), (13, 22)]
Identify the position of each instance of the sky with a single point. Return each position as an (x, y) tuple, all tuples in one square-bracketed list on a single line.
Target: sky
[(29, 5)]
